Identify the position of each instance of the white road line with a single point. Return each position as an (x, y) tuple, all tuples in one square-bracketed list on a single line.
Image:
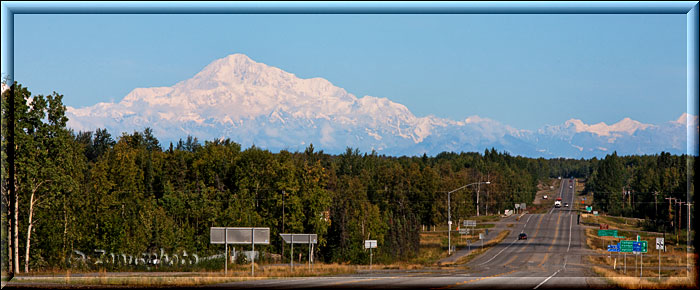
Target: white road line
[(571, 220), (573, 192), (545, 280), (528, 220)]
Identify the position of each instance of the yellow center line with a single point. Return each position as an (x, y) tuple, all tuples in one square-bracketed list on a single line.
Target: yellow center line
[(556, 234), (510, 261), (538, 228)]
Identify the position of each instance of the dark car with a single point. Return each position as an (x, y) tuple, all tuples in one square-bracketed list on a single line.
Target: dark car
[(566, 204), (522, 236)]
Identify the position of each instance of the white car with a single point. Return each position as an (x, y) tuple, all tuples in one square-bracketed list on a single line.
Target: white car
[(571, 186), (544, 197)]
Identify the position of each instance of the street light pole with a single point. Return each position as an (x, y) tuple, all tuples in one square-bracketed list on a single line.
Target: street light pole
[(477, 200), (449, 214), (449, 225)]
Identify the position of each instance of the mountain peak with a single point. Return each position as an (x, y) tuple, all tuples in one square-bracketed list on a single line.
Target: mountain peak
[(626, 125), (686, 119), (237, 60), (254, 103)]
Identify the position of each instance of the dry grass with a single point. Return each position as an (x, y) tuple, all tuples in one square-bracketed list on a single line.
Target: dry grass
[(478, 251), (543, 189), (651, 261), (672, 257), (235, 274), (679, 280), (614, 222)]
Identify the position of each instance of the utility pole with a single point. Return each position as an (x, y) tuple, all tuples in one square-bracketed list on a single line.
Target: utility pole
[(688, 238), (656, 211), (283, 224), (449, 227), (477, 197), (670, 207), (680, 211), (488, 196)]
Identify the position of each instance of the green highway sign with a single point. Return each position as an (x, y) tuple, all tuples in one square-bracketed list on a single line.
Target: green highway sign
[(640, 246), (627, 246), (607, 233)]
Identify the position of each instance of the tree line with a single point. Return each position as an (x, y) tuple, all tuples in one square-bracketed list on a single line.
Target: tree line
[(651, 187), (80, 191)]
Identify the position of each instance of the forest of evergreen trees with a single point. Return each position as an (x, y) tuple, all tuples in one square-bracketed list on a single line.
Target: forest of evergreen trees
[(127, 193)]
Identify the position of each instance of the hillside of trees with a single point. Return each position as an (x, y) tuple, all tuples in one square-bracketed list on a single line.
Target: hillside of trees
[(654, 188), (127, 193)]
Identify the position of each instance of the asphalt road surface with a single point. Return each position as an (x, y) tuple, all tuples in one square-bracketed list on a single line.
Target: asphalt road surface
[(551, 257)]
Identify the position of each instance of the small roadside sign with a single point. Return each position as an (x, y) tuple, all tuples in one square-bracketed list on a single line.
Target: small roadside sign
[(469, 223), (481, 236), (614, 248), (659, 243), (463, 231), (370, 244), (595, 212)]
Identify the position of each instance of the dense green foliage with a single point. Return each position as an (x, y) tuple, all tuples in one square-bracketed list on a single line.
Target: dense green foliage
[(131, 195), (640, 186)]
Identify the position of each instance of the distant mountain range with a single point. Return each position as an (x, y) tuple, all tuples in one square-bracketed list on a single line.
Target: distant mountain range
[(253, 103)]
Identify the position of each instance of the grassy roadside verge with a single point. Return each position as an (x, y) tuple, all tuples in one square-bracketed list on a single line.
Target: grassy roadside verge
[(679, 280), (672, 262), (236, 274), (478, 250)]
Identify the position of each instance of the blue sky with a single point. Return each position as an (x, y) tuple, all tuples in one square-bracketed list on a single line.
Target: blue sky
[(526, 71)]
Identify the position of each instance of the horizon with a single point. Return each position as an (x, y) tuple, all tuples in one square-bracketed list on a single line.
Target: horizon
[(231, 64), (449, 66)]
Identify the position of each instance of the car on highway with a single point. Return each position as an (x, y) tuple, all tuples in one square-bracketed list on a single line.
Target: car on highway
[(545, 197), (571, 186), (566, 204), (522, 236)]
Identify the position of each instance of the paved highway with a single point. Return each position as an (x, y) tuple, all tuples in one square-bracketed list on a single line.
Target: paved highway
[(551, 257)]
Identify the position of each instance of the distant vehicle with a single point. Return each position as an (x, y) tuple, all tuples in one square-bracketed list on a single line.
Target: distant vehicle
[(566, 204), (557, 203), (559, 177), (571, 186), (522, 236), (544, 197)]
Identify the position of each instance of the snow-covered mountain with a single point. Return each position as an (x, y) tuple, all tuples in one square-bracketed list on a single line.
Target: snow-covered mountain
[(253, 103)]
